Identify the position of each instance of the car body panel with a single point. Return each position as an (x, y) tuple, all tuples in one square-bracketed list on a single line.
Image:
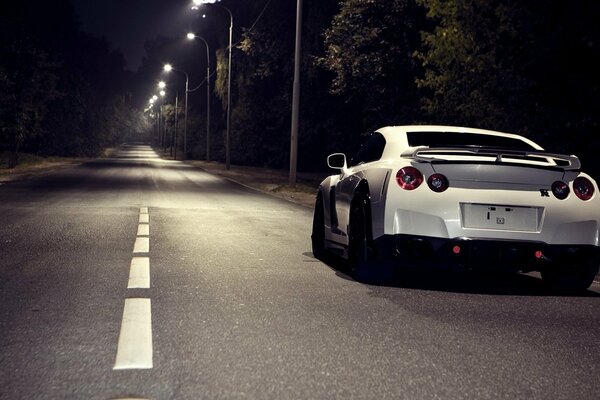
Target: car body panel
[(502, 195)]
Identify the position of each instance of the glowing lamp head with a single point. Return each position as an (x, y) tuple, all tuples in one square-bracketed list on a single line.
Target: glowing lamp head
[(162, 84), (197, 3), (191, 36), (168, 68)]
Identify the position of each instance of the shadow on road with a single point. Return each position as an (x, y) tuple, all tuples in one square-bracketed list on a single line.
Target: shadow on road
[(470, 282)]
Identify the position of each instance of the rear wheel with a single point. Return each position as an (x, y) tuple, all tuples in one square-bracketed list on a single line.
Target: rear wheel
[(360, 254), (569, 278), (318, 229)]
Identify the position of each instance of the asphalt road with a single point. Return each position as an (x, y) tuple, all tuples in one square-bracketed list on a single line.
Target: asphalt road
[(135, 277)]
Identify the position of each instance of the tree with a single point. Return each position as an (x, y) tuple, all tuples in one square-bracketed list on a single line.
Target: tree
[(58, 85), (263, 79), (471, 60), (27, 86), (369, 48), (527, 67)]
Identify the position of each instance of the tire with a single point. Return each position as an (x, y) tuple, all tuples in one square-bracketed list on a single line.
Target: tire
[(317, 236), (569, 279), (360, 254)]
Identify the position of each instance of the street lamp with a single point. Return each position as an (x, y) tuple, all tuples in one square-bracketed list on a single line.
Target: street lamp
[(296, 97), (163, 117), (192, 36), (162, 85), (227, 135), (152, 102), (169, 68)]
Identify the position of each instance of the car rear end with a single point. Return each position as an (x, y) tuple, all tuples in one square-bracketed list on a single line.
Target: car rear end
[(491, 208)]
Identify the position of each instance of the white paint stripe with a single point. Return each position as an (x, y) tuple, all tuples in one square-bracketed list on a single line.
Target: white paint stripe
[(139, 273), (144, 210), (142, 245), (143, 230), (134, 350), (130, 398), (144, 218)]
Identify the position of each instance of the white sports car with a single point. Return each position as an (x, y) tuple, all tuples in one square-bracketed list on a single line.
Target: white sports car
[(470, 198)]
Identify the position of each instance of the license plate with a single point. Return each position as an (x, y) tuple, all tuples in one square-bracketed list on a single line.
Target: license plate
[(499, 217)]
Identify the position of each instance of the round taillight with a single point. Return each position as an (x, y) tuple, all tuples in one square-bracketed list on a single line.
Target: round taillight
[(438, 183), (583, 188), (561, 190), (409, 178)]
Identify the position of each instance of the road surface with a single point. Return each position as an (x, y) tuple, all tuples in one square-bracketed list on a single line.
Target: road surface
[(136, 277)]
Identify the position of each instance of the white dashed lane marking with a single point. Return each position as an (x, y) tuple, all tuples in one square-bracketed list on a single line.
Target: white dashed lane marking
[(142, 245), (143, 230), (139, 273), (134, 349), (135, 339)]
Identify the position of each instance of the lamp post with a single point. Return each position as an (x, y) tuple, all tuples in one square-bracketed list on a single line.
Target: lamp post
[(162, 85), (227, 135), (152, 103), (163, 135), (296, 97), (192, 36), (169, 68)]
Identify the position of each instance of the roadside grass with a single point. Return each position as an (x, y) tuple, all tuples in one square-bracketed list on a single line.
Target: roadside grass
[(274, 182), (31, 162)]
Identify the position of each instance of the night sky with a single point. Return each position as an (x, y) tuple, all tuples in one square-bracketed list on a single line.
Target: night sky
[(127, 24)]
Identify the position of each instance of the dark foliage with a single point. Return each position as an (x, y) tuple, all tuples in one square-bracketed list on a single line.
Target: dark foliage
[(517, 66), (62, 92)]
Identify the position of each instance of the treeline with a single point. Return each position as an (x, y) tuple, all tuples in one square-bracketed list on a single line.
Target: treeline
[(62, 91), (528, 67)]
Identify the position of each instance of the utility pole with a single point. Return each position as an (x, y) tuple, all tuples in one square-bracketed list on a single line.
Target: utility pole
[(296, 96)]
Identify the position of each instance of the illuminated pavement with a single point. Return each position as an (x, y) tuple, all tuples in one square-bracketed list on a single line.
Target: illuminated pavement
[(136, 277)]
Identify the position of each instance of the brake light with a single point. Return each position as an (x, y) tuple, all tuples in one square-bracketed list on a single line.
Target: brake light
[(561, 190), (409, 178), (438, 183), (583, 188)]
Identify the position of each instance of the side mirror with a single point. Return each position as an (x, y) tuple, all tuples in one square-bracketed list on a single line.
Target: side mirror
[(337, 161)]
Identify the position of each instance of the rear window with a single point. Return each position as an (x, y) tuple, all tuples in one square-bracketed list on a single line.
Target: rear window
[(462, 139)]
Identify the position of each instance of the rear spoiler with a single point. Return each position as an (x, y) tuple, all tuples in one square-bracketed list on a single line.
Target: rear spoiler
[(428, 154)]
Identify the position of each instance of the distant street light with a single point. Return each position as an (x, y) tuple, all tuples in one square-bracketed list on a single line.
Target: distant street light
[(163, 133), (169, 68), (162, 85), (192, 36), (152, 101), (227, 135)]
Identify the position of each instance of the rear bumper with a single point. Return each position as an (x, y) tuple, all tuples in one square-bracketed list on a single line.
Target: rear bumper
[(482, 254)]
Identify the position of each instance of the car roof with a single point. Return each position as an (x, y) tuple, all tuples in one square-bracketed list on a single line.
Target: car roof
[(396, 136)]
